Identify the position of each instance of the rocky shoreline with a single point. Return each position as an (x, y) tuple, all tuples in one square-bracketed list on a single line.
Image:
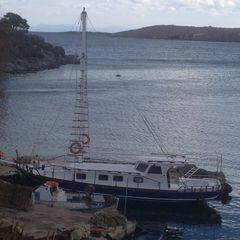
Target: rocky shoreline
[(23, 218), (31, 66), (23, 52)]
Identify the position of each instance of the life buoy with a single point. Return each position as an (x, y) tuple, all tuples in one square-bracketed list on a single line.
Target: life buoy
[(76, 148), (86, 139), (52, 183)]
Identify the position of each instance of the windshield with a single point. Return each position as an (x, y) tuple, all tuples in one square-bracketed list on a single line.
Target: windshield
[(141, 167)]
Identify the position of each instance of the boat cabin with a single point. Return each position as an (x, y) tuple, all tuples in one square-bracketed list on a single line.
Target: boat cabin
[(152, 172)]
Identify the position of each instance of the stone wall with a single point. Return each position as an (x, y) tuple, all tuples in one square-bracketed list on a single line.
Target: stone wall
[(15, 196)]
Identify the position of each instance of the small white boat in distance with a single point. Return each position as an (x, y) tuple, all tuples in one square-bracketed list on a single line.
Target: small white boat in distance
[(50, 194)]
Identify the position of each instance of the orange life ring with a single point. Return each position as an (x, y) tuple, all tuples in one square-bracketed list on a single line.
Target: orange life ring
[(51, 183), (87, 139), (76, 148)]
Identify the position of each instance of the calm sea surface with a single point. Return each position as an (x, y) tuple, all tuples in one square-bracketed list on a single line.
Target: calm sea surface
[(188, 91)]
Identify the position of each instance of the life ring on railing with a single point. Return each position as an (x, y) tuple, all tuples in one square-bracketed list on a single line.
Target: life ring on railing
[(76, 148), (86, 139)]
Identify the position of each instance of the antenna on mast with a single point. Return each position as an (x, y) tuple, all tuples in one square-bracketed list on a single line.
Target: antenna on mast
[(80, 143)]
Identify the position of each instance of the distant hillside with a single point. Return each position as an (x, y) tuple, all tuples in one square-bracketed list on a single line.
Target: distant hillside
[(184, 33)]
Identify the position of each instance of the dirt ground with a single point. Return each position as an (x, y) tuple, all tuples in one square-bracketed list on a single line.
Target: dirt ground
[(44, 218), (6, 170)]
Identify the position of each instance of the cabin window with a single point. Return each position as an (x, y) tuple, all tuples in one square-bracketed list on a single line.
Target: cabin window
[(81, 176), (141, 167), (138, 179), (155, 170), (118, 178), (103, 177)]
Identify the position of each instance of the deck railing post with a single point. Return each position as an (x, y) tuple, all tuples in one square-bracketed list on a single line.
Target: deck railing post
[(126, 195), (95, 175), (53, 171)]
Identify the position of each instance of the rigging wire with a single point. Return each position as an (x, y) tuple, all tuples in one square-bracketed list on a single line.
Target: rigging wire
[(89, 20), (153, 133), (149, 126), (52, 127)]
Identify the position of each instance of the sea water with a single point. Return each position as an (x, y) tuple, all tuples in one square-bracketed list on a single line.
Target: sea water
[(188, 92)]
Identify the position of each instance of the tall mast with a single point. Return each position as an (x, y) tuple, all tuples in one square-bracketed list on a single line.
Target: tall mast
[(84, 43), (80, 142)]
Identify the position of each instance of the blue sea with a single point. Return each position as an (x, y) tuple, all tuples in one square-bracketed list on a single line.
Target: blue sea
[(189, 92)]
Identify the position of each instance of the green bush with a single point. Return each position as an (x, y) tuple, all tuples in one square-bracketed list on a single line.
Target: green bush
[(17, 43)]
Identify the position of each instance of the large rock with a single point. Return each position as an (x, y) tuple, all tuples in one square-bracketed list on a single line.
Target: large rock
[(15, 196), (108, 217)]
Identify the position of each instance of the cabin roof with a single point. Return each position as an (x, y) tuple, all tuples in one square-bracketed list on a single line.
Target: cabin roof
[(113, 167), (123, 167), (177, 159), (118, 167)]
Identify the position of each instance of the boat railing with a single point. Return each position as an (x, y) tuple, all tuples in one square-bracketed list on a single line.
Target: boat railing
[(171, 155), (212, 176), (57, 157), (183, 182), (95, 160)]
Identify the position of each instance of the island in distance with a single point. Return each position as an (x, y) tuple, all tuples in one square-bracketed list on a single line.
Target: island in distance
[(174, 32)]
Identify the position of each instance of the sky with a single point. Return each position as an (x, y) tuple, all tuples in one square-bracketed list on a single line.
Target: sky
[(117, 15)]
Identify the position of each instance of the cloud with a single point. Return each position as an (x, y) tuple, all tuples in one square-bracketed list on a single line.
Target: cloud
[(127, 13), (198, 5), (187, 4), (206, 4)]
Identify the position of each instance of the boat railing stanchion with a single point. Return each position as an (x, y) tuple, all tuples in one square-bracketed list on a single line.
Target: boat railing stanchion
[(95, 177), (221, 162), (125, 201), (17, 156), (53, 172), (217, 163)]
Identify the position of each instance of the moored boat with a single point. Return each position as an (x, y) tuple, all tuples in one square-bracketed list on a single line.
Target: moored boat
[(162, 178), (156, 178), (51, 195)]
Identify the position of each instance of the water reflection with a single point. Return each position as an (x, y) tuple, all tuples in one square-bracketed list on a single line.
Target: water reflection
[(183, 220), (189, 214)]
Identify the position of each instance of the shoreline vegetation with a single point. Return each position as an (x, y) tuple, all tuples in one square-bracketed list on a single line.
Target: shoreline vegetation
[(190, 33), (23, 52)]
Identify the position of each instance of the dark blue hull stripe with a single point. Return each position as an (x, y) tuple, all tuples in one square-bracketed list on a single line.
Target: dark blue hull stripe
[(135, 194), (143, 194)]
